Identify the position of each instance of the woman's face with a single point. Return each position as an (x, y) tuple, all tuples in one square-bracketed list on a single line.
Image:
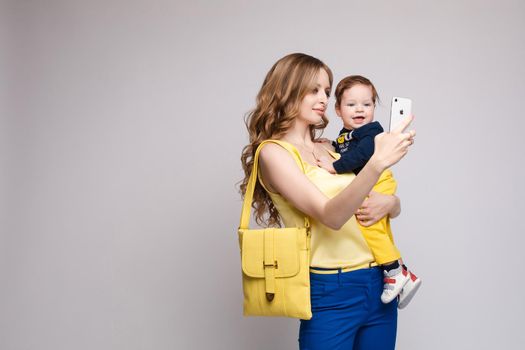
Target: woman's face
[(313, 105), (357, 106)]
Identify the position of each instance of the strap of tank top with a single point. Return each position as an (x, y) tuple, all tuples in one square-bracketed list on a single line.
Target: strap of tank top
[(250, 187)]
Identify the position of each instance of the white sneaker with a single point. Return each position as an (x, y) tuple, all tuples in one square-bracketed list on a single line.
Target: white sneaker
[(409, 290), (394, 282)]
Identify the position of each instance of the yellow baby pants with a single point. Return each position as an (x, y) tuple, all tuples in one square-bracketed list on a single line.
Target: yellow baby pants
[(379, 235)]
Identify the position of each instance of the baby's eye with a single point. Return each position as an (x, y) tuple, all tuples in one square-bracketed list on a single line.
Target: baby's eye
[(368, 104), (351, 105)]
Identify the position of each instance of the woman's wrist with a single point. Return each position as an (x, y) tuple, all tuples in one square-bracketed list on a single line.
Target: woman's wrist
[(376, 164)]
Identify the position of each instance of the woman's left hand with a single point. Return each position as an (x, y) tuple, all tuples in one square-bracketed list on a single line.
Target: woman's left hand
[(376, 206)]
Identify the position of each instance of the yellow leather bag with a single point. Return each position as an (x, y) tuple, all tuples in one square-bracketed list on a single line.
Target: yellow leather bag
[(275, 264)]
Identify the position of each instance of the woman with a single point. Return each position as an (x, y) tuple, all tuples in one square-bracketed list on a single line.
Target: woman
[(345, 284)]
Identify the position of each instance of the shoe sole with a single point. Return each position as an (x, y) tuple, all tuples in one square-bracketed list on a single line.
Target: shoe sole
[(406, 299)]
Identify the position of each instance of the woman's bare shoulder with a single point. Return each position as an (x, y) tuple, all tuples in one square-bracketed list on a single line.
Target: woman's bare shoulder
[(271, 150), (278, 167), (275, 155)]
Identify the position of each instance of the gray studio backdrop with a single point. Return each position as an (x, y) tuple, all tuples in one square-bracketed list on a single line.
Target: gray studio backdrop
[(122, 128)]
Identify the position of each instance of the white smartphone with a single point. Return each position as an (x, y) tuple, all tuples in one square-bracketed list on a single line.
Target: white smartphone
[(400, 109)]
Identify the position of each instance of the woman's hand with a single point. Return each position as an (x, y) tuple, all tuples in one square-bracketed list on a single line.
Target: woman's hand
[(390, 147), (377, 206)]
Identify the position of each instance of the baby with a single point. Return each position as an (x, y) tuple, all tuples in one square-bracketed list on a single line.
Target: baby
[(356, 98)]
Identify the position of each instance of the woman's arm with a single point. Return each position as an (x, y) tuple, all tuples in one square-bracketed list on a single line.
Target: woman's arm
[(282, 175)]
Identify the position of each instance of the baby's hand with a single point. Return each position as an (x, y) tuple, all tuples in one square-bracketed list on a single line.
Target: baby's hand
[(327, 164), (324, 140)]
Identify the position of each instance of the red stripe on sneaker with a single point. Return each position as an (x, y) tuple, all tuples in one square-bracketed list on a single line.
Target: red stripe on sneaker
[(413, 277), (390, 280)]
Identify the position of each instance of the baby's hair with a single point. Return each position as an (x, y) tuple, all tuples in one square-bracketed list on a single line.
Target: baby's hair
[(351, 81)]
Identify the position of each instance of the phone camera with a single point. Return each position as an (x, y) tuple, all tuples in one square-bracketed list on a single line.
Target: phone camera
[(401, 112), (395, 99)]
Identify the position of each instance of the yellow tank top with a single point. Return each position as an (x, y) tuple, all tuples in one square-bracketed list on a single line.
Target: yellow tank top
[(330, 248)]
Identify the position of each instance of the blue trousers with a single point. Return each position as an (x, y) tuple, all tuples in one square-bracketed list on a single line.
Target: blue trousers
[(348, 313)]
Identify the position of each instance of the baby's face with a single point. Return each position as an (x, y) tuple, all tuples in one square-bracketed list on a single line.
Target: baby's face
[(357, 107)]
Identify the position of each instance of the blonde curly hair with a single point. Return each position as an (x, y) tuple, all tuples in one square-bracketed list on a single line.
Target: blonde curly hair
[(277, 105)]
